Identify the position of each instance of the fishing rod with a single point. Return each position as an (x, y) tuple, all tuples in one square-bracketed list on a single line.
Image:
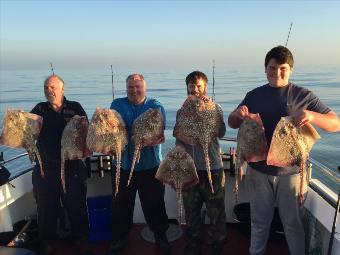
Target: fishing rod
[(21, 237), (290, 28), (52, 68), (213, 85), (113, 92), (330, 245)]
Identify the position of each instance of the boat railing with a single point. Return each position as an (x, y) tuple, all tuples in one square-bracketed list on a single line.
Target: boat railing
[(314, 183), (313, 165), (325, 169), (3, 162), (16, 175)]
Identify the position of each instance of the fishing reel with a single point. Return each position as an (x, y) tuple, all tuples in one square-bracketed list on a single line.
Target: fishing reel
[(229, 161), (99, 164)]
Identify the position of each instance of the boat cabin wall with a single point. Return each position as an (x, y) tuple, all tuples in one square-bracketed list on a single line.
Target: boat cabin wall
[(101, 186), (16, 201)]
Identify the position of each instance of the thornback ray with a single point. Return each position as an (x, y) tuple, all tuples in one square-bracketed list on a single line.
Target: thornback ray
[(107, 134), (21, 130), (290, 146), (179, 171), (251, 144), (147, 130), (73, 143), (198, 122)]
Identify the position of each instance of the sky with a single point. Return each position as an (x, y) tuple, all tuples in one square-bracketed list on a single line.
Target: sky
[(164, 34)]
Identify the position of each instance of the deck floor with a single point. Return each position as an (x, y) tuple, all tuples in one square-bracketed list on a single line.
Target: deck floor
[(237, 242)]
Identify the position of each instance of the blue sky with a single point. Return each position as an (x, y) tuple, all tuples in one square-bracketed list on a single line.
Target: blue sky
[(164, 34)]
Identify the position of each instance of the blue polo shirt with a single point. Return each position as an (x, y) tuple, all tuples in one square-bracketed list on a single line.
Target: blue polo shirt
[(150, 156)]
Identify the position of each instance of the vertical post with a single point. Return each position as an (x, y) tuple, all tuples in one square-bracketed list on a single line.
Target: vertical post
[(330, 245), (101, 165)]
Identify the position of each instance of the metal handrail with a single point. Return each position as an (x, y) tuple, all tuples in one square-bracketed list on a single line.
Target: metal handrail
[(228, 139), (322, 167), (11, 159), (325, 169)]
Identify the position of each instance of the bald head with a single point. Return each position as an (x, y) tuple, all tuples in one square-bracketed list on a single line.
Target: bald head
[(54, 90), (135, 88), (53, 77)]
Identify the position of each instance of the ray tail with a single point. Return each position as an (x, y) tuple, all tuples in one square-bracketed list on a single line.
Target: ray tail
[(179, 202), (135, 160), (302, 182), (62, 172), (119, 156), (207, 163)]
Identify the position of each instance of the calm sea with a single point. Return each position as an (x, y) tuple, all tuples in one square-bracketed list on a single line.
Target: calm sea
[(92, 88)]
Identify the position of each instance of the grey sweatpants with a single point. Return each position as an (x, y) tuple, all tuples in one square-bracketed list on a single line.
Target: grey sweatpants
[(265, 192)]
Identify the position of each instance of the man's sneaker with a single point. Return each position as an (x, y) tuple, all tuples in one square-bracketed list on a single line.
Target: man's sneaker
[(162, 243), (118, 244)]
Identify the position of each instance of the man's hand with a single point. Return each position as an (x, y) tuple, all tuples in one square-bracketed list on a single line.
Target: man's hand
[(241, 112), (302, 117), (237, 116), (205, 98)]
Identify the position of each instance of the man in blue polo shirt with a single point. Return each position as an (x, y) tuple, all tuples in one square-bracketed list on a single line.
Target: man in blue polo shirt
[(150, 190)]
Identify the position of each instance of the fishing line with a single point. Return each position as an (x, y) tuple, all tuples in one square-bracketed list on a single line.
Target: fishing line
[(290, 28), (52, 68), (113, 93), (213, 85)]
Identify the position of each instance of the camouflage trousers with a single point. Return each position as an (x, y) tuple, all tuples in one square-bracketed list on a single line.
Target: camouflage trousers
[(193, 200)]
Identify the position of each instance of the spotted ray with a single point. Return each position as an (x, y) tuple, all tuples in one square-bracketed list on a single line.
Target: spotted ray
[(198, 123), (178, 170), (251, 144), (291, 145), (107, 134), (147, 130), (21, 130), (73, 143)]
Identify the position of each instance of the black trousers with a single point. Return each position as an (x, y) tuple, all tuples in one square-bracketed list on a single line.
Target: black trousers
[(49, 194), (151, 194)]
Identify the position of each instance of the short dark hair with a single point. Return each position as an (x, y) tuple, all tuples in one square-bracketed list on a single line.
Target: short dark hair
[(194, 76), (281, 54), (53, 76)]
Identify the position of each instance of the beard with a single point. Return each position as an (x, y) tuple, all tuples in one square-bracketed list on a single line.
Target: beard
[(197, 94)]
